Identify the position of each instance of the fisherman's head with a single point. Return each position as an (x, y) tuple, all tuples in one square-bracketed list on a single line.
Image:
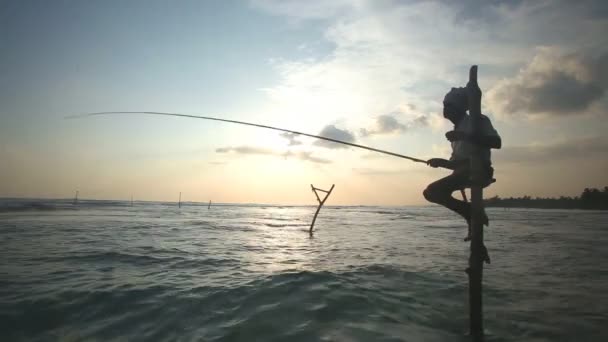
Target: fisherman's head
[(455, 104)]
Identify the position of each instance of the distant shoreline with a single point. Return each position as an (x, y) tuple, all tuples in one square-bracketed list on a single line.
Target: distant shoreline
[(590, 199), (533, 206)]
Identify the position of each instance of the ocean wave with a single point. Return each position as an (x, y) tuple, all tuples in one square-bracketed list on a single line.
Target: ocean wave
[(283, 225), (31, 206), (382, 212), (291, 304), (402, 217), (113, 257), (284, 219), (19, 205)]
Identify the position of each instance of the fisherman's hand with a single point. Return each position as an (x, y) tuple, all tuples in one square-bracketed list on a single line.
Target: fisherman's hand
[(456, 136), (436, 162)]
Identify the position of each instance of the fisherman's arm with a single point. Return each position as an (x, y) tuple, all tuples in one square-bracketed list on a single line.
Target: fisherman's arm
[(447, 164), (488, 141)]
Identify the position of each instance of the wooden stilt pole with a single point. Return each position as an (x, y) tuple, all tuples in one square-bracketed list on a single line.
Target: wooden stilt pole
[(209, 206), (179, 203), (477, 248), (75, 198), (321, 202)]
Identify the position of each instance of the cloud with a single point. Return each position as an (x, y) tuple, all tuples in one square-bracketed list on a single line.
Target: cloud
[(384, 54), (249, 150), (380, 172), (580, 148), (291, 137), (330, 131), (390, 52), (371, 156), (388, 124), (307, 156), (298, 9), (245, 150), (401, 172), (385, 124), (551, 168), (553, 84)]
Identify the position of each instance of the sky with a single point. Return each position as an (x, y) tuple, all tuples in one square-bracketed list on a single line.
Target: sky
[(373, 72)]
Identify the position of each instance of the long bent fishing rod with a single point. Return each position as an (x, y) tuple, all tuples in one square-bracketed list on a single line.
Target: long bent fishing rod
[(255, 125)]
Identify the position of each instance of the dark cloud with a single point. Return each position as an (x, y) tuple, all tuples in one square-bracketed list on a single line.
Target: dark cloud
[(388, 124), (552, 84), (534, 23), (582, 148), (487, 11), (563, 94), (330, 131), (249, 150), (291, 137), (420, 121)]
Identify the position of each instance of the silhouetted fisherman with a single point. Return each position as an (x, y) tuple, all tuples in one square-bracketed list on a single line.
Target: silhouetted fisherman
[(455, 106)]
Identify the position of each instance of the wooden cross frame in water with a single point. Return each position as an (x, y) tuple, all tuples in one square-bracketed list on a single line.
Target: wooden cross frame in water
[(321, 202)]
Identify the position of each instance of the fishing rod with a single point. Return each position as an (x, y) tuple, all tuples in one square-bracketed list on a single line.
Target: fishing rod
[(254, 125)]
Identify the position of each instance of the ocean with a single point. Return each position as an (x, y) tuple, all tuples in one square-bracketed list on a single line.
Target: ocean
[(109, 271)]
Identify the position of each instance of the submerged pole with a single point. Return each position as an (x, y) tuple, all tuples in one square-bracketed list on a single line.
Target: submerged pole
[(209, 206), (321, 202), (477, 248), (75, 198), (179, 203)]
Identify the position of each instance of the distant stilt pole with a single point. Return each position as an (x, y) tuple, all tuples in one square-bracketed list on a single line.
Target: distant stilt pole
[(131, 200), (75, 198), (479, 253), (179, 203), (209, 206), (321, 202)]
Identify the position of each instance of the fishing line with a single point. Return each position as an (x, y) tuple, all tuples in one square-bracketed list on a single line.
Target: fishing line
[(255, 125)]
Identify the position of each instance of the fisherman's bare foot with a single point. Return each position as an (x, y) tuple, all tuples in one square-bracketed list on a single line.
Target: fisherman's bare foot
[(484, 218), (485, 255)]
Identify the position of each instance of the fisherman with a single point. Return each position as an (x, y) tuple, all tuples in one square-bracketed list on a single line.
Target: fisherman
[(455, 106)]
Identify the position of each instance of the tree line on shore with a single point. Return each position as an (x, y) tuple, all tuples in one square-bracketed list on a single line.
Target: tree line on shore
[(590, 198)]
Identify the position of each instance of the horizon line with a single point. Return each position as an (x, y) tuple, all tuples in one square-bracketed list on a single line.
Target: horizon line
[(206, 203)]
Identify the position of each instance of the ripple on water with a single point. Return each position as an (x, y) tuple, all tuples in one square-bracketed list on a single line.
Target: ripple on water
[(243, 274)]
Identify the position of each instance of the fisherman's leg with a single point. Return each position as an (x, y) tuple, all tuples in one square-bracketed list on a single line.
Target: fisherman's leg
[(440, 192)]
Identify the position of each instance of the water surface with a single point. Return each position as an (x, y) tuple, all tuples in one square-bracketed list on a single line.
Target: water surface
[(105, 270)]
